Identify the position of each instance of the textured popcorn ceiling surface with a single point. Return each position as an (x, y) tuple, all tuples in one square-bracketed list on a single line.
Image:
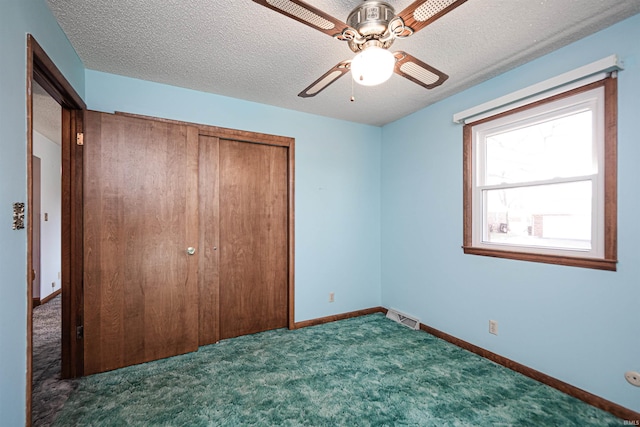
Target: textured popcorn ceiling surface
[(47, 115), (240, 49)]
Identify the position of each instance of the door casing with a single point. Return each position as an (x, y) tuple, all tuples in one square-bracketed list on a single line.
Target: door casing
[(40, 68)]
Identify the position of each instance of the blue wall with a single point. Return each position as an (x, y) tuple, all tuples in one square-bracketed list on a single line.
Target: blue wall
[(378, 216), (17, 18), (337, 187), (578, 325)]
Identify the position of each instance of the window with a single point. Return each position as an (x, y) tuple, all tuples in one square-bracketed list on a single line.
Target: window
[(540, 180)]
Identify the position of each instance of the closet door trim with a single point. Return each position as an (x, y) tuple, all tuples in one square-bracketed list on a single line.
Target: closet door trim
[(226, 133)]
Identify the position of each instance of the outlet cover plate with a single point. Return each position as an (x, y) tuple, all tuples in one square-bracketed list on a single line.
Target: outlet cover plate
[(493, 327), (633, 378)]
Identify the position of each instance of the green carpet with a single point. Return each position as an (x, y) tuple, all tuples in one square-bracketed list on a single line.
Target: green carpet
[(367, 371)]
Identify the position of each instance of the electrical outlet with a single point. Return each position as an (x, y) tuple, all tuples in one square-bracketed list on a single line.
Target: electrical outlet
[(53, 284), (59, 275), (331, 297), (493, 327), (633, 378)]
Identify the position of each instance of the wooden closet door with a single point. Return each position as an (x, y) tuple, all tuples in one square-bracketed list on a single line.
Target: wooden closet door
[(253, 245), (209, 229), (141, 214)]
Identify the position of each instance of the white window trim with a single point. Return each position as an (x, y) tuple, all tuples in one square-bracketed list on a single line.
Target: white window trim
[(581, 76), (590, 100)]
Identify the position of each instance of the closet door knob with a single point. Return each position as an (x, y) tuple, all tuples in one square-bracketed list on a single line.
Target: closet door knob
[(191, 250)]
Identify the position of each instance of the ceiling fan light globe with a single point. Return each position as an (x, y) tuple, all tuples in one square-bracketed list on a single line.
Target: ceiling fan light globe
[(372, 66)]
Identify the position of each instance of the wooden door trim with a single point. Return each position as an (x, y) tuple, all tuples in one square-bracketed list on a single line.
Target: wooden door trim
[(223, 133), (291, 171), (41, 68)]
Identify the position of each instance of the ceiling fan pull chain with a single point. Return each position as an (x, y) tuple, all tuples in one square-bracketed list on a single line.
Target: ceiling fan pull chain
[(353, 98)]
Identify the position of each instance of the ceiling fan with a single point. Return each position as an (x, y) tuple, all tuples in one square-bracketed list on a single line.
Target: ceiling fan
[(371, 29)]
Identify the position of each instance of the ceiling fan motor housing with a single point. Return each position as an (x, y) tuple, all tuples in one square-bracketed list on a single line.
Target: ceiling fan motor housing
[(371, 19)]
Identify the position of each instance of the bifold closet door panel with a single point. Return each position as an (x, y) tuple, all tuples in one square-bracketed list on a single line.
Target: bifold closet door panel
[(253, 246), (141, 215), (209, 265)]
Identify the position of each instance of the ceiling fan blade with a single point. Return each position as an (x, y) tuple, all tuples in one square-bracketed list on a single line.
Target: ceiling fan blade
[(421, 13), (326, 79), (417, 71), (307, 14)]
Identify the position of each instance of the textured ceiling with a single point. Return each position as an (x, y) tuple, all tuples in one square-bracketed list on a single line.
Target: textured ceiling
[(243, 50), (47, 115)]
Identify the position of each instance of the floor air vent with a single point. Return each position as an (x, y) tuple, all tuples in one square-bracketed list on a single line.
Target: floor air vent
[(403, 319)]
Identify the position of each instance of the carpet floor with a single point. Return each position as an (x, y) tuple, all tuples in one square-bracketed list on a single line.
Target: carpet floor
[(49, 391), (366, 371)]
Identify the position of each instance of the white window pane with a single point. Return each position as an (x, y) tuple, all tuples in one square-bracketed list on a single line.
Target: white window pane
[(558, 148), (554, 216)]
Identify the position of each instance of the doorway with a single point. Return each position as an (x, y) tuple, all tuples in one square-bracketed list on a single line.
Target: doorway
[(48, 391), (46, 81)]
